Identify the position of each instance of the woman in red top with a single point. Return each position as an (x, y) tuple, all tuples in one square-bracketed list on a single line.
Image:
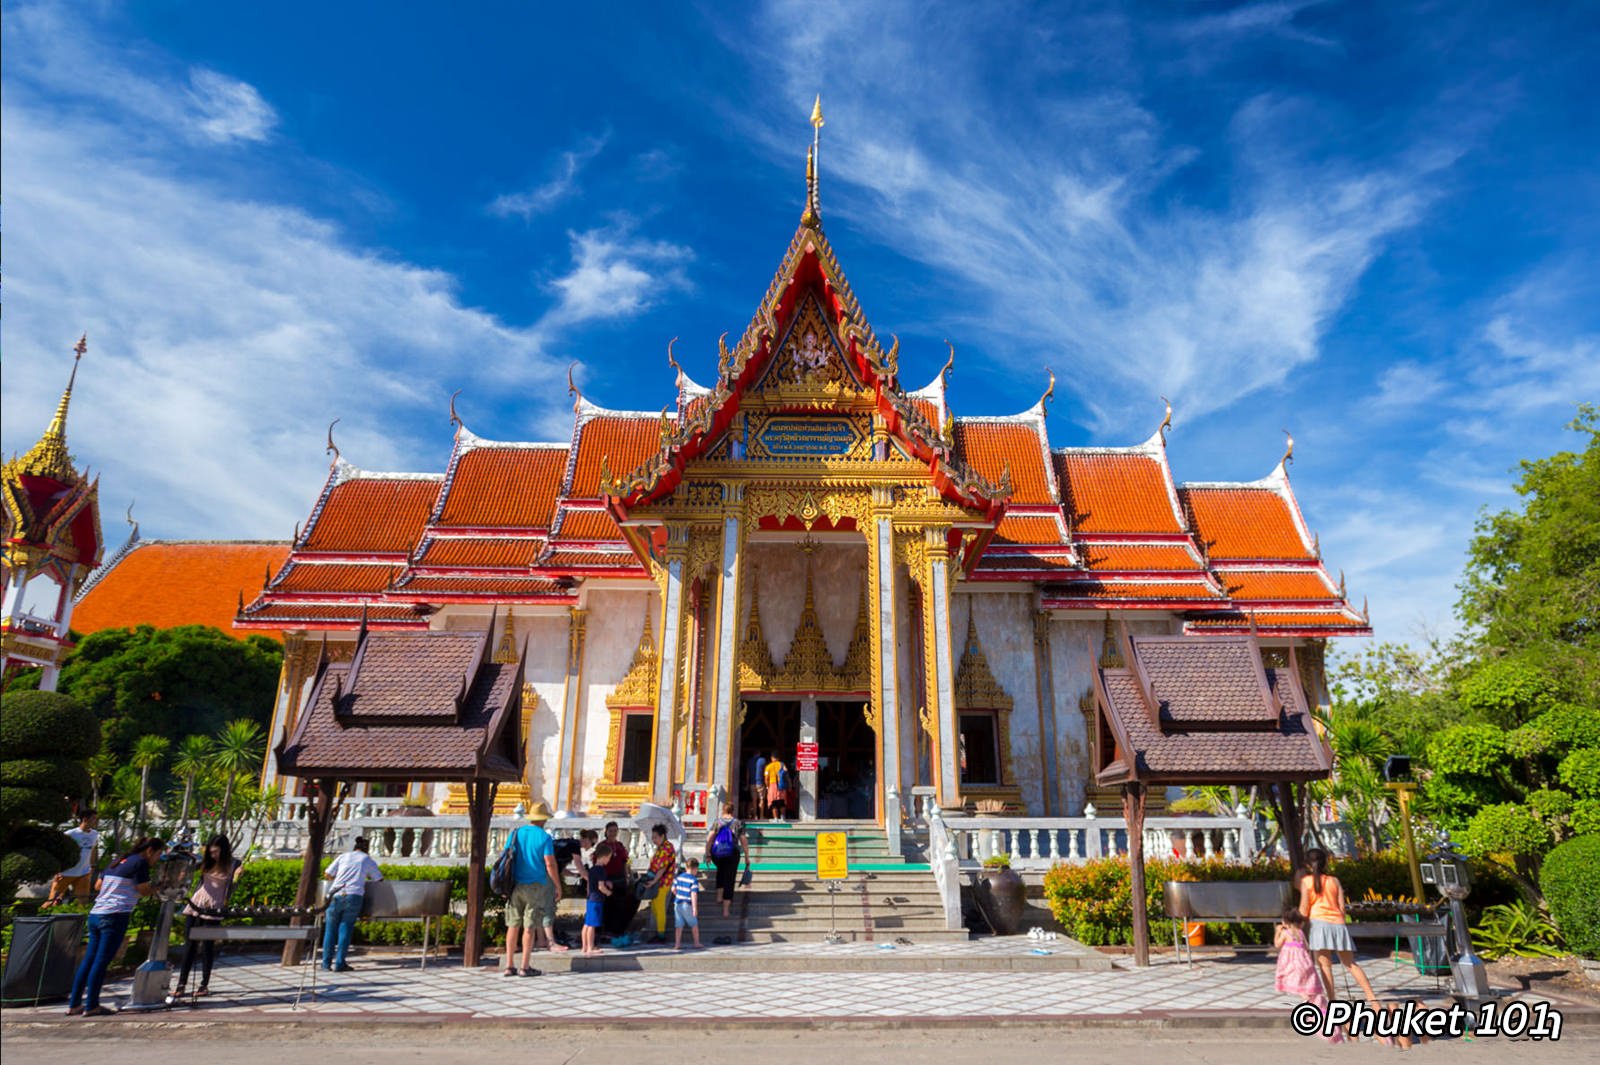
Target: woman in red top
[(663, 864)]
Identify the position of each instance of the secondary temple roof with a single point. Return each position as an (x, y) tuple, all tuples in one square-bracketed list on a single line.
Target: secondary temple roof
[(1094, 528)]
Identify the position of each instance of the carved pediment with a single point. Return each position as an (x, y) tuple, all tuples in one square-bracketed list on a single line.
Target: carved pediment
[(809, 363), (638, 687), (808, 665), (976, 685)]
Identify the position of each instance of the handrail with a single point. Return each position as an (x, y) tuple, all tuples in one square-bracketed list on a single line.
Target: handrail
[(942, 858)]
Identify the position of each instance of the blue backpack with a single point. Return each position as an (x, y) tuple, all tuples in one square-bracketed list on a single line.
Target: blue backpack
[(783, 779), (725, 842)]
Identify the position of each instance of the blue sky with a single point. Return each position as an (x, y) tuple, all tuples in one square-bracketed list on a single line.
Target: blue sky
[(1372, 224)]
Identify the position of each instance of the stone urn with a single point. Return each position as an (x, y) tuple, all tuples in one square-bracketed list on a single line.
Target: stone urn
[(1003, 897)]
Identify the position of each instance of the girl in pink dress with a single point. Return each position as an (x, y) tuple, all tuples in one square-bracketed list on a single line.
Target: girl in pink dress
[(1297, 973)]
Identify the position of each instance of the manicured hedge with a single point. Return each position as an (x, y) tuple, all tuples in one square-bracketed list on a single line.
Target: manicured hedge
[(1091, 899), (1570, 880)]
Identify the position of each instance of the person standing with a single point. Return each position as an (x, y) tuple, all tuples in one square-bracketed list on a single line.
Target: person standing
[(531, 909), (663, 861), (121, 888), (77, 881), (204, 908), (1322, 902), (756, 783), (777, 782), (598, 890), (725, 842), (686, 904), (349, 873)]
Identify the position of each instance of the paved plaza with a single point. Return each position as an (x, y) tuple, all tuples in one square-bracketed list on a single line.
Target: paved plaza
[(983, 979)]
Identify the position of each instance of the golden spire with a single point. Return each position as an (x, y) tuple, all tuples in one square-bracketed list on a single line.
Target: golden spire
[(812, 215), (49, 457)]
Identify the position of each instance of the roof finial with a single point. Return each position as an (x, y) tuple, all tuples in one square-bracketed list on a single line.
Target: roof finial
[(1166, 421), (949, 364), (572, 388), (812, 216), (1288, 451), (1341, 584), (332, 448), (135, 534), (455, 419), (1044, 400), (49, 457), (672, 362)]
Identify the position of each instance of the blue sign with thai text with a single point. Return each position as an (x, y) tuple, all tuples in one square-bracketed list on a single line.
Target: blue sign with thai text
[(807, 437)]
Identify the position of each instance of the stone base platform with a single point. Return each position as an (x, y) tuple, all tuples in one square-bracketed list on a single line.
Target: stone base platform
[(1008, 954)]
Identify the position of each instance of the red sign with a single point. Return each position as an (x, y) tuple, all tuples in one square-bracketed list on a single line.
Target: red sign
[(805, 758)]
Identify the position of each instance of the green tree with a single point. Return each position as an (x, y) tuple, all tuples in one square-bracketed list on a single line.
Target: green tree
[(44, 739), (188, 680), (1532, 582), (148, 751), (238, 750), (194, 758)]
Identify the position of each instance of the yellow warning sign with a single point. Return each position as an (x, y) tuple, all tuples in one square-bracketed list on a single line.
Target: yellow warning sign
[(832, 863)]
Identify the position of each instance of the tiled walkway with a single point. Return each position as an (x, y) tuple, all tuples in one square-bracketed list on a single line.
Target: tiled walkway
[(256, 988)]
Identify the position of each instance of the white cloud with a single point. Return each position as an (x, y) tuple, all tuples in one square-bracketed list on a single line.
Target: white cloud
[(615, 275), (564, 183), (1048, 209), (225, 109)]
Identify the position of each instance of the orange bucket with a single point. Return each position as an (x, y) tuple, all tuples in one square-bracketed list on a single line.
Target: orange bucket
[(1195, 933)]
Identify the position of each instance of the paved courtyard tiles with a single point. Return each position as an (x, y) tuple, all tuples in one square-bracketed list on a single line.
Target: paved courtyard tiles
[(256, 988)]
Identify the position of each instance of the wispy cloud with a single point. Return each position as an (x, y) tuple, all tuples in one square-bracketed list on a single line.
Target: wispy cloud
[(615, 274), (561, 185), (1047, 204), (226, 109)]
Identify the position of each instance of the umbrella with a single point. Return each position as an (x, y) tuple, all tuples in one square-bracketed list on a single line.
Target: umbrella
[(651, 814)]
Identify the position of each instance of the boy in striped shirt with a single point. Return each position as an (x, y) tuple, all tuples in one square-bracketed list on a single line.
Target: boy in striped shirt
[(686, 904)]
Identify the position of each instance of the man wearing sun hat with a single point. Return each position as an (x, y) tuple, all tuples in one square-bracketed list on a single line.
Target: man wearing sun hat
[(531, 909)]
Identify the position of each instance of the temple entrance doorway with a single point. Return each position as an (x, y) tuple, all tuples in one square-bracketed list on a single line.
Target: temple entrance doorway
[(847, 762), (771, 726)]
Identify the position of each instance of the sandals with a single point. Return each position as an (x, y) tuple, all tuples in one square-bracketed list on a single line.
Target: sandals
[(100, 1011), (529, 970)]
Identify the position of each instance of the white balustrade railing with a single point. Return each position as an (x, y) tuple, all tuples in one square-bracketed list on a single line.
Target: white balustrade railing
[(1040, 842), (942, 857)]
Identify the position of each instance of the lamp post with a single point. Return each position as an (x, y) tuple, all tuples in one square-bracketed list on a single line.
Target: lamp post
[(153, 979), (1397, 778), (1447, 870)]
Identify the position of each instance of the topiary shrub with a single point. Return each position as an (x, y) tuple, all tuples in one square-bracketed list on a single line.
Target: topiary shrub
[(44, 738), (1570, 881), (1580, 771)]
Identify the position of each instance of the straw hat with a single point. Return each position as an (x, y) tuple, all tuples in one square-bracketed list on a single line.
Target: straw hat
[(539, 812)]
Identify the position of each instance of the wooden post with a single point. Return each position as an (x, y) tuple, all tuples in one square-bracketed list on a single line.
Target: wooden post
[(320, 810), (1286, 804), (480, 808), (1133, 816)]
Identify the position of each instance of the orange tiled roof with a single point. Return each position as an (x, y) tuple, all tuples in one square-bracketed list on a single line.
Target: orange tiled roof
[(1115, 492), (568, 559), (1274, 585), (1137, 557), (990, 446), (1244, 522), (624, 441), (579, 524), (1026, 561), (505, 486), (481, 551), (373, 514), (1028, 529), (428, 584), (301, 615), (1094, 589), (311, 578), (1276, 622), (185, 582)]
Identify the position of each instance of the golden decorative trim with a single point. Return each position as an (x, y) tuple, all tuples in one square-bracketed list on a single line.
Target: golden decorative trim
[(638, 688), (808, 665), (505, 653), (755, 657), (1110, 648), (976, 686)]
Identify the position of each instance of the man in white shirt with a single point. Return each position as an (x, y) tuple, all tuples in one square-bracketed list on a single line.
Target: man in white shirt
[(349, 873), (77, 881)]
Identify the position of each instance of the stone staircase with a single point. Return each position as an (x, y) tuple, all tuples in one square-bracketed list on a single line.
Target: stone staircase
[(886, 897)]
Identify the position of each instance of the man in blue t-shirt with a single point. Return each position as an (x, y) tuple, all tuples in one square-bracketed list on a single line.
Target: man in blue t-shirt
[(531, 909)]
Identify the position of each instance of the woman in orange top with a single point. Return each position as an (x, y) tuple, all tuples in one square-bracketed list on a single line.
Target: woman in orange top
[(1322, 901)]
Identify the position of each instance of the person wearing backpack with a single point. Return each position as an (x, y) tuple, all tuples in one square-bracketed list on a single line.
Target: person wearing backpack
[(531, 907), (725, 843)]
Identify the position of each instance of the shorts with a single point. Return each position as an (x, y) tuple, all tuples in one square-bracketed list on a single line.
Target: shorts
[(775, 794), (531, 906), (594, 913), (683, 915), (72, 887)]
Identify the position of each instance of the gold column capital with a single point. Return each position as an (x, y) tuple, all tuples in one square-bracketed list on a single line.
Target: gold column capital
[(677, 547), (936, 537)]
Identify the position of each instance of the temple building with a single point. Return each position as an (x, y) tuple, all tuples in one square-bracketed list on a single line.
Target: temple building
[(807, 556), (50, 542)]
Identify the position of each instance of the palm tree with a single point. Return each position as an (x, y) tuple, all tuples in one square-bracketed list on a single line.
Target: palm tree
[(194, 757), (99, 767), (147, 754), (238, 749)]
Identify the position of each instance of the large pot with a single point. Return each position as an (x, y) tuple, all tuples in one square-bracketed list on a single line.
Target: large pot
[(1003, 897)]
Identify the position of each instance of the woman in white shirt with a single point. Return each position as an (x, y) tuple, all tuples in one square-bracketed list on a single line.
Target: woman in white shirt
[(121, 888)]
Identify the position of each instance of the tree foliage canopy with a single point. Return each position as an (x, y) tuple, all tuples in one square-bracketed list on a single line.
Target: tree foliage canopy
[(187, 680)]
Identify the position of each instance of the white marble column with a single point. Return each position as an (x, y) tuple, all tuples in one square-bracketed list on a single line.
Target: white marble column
[(667, 681), (567, 788), (887, 683), (288, 681), (723, 772), (808, 779), (942, 663)]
